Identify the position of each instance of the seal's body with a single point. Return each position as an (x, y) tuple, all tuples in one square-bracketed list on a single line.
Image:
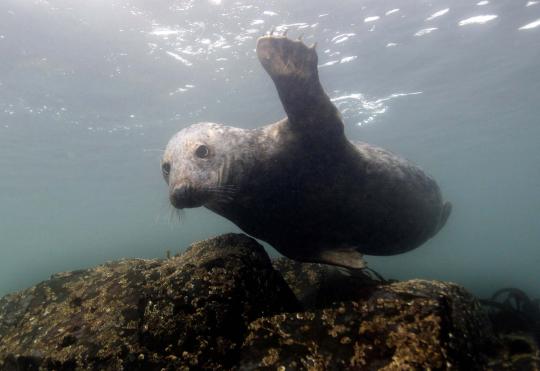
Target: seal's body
[(299, 184)]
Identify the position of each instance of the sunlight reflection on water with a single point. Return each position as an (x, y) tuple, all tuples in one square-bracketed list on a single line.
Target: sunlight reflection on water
[(357, 108), (236, 26)]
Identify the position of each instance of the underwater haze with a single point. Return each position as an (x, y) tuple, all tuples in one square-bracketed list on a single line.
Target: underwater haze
[(91, 91)]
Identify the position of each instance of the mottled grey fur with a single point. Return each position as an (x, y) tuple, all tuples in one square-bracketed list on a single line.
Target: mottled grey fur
[(299, 184)]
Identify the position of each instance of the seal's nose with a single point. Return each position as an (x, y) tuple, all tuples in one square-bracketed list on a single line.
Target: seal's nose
[(178, 196), (183, 196)]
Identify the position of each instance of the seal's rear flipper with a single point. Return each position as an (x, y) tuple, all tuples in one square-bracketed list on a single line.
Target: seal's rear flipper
[(343, 257), (445, 213), (293, 67)]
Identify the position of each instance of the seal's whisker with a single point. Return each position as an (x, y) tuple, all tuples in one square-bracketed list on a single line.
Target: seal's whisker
[(175, 214), (165, 212), (225, 171), (218, 189), (225, 186), (171, 215), (222, 189), (222, 193), (224, 199), (220, 175)]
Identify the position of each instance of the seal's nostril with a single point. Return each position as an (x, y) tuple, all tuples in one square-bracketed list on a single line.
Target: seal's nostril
[(177, 196), (180, 191)]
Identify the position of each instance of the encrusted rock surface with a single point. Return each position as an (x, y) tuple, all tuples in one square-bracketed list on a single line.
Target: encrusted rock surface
[(407, 325), (187, 311), (321, 286), (515, 351), (223, 305)]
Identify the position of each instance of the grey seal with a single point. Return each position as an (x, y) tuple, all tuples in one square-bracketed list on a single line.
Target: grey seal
[(300, 184)]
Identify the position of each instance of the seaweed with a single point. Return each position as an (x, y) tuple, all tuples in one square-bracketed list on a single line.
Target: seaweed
[(511, 310)]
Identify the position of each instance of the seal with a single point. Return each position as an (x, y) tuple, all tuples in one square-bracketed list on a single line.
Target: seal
[(300, 184)]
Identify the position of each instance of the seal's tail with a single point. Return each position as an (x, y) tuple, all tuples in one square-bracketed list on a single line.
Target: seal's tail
[(445, 213)]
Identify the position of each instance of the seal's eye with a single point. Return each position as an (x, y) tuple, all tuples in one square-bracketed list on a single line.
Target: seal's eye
[(202, 151), (166, 169)]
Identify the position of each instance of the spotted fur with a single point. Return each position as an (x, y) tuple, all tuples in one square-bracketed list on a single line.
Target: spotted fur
[(299, 184)]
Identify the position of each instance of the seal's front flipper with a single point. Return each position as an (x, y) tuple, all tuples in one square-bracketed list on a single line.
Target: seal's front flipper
[(343, 257), (293, 67), (286, 59)]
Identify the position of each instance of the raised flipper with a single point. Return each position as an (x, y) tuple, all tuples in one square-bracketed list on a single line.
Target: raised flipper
[(293, 68)]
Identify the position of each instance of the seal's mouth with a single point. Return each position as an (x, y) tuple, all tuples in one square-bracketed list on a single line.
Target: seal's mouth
[(186, 196)]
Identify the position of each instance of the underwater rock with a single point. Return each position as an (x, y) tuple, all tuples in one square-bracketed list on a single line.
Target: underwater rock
[(322, 286), (223, 304), (515, 351), (407, 325), (191, 310), (516, 322)]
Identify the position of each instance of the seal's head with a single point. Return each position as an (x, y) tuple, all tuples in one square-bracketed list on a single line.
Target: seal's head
[(196, 165)]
